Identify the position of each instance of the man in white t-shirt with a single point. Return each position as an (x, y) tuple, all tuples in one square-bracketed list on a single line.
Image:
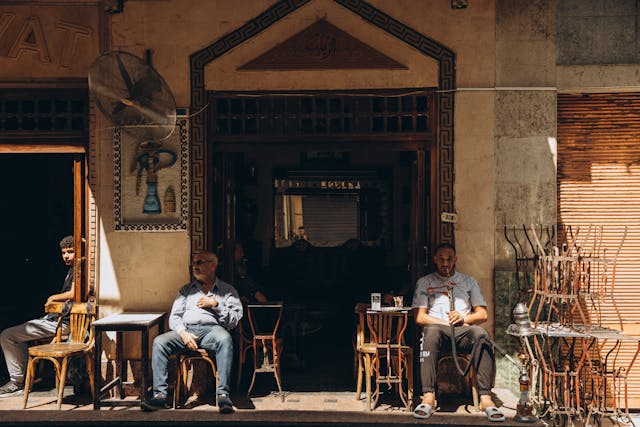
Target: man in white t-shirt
[(434, 315)]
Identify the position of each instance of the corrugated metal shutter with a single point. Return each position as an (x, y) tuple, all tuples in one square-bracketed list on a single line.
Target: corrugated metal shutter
[(330, 220), (599, 183)]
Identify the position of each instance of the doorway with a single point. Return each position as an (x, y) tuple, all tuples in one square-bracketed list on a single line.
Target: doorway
[(329, 194), (38, 199), (357, 211)]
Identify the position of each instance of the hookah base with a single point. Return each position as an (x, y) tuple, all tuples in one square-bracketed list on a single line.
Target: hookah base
[(524, 418)]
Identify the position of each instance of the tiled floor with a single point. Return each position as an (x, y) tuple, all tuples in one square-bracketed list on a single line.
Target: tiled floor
[(270, 401)]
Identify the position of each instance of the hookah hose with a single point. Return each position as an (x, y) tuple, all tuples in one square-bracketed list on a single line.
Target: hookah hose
[(476, 345), (452, 334)]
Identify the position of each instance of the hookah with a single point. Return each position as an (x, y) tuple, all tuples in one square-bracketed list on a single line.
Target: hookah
[(521, 328), (151, 158)]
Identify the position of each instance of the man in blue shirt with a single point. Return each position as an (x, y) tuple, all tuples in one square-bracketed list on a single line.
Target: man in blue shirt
[(203, 313)]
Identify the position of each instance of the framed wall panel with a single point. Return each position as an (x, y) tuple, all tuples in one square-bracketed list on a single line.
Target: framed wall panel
[(151, 181)]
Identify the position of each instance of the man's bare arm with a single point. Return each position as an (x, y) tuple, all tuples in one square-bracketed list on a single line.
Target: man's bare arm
[(63, 296), (477, 316), (424, 319)]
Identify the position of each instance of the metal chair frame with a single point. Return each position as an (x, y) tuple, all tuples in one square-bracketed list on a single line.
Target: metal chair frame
[(265, 340)]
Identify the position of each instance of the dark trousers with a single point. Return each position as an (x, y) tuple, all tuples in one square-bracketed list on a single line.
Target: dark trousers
[(436, 339)]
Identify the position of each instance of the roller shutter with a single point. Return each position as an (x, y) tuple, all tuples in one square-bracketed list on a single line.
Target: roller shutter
[(599, 183)]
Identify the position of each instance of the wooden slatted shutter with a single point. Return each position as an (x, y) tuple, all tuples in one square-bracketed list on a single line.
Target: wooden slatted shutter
[(599, 183)]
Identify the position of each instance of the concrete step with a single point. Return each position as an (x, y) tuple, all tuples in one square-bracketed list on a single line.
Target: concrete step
[(168, 418)]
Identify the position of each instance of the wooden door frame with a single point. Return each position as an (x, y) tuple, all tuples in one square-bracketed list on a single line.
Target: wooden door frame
[(80, 197)]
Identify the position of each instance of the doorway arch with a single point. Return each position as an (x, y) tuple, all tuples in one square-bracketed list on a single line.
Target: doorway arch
[(443, 200)]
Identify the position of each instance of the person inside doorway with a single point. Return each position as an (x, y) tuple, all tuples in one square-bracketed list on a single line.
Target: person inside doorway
[(250, 291), (15, 340), (301, 234), (203, 313), (433, 300)]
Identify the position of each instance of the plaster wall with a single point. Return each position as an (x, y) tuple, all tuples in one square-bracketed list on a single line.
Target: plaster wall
[(192, 25), (222, 74), (474, 189), (52, 42), (597, 32), (142, 270)]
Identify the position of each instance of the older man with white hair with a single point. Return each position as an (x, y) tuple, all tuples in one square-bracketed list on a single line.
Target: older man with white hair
[(203, 313)]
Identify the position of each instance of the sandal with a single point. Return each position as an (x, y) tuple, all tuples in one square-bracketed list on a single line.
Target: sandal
[(423, 411), (493, 414)]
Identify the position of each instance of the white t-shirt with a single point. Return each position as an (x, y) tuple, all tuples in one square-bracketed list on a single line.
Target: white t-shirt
[(432, 293)]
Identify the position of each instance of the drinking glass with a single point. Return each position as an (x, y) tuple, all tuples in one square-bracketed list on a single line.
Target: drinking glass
[(375, 300), (398, 301)]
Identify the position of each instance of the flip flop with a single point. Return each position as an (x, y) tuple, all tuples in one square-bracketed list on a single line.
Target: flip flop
[(423, 411), (493, 414)]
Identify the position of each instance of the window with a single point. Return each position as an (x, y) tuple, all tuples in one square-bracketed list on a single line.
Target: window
[(236, 114)]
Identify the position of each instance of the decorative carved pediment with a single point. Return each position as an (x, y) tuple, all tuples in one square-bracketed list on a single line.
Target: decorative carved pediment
[(322, 46)]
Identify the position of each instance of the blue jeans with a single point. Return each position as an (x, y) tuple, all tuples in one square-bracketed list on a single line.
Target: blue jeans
[(213, 338)]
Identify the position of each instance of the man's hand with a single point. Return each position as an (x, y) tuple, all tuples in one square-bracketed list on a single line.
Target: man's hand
[(456, 318), (52, 299), (207, 302), (189, 340), (49, 305)]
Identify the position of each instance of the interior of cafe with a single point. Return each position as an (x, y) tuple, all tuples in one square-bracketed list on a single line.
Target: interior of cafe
[(321, 231), (328, 193)]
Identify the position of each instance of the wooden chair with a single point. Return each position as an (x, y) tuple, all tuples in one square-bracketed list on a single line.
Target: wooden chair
[(364, 350), (264, 320), (450, 381), (183, 369), (79, 342), (392, 363)]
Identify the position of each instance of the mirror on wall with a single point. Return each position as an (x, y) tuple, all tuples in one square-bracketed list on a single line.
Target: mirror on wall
[(321, 219), (327, 212)]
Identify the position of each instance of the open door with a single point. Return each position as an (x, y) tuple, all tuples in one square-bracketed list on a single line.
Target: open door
[(80, 272), (45, 199), (224, 212), (418, 239)]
